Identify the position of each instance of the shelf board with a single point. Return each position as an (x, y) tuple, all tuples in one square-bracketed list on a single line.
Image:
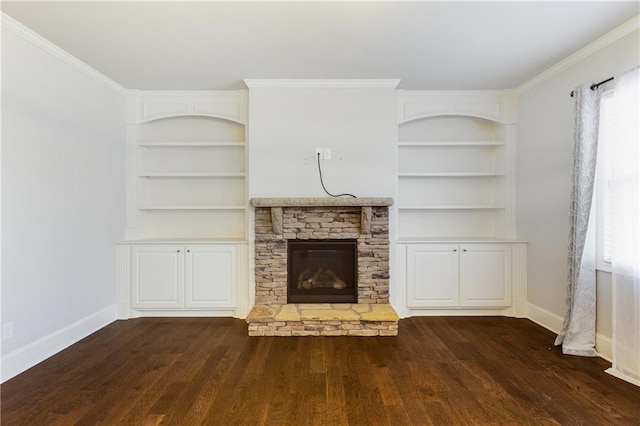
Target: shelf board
[(190, 208), (454, 207), (456, 239), (186, 240), (451, 143), (192, 175), (193, 144), (451, 174)]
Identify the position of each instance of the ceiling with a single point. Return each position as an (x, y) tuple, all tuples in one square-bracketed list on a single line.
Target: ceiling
[(214, 45)]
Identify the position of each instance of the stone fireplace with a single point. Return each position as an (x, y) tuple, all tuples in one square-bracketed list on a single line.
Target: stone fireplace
[(284, 222)]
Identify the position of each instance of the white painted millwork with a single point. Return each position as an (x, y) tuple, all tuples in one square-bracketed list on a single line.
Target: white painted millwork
[(211, 276), (432, 275), (182, 277), (456, 204), (158, 276), (456, 164), (464, 276), (145, 106), (485, 275), (185, 250), (186, 165)]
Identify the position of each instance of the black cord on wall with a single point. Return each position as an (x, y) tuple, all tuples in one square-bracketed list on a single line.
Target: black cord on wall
[(322, 182)]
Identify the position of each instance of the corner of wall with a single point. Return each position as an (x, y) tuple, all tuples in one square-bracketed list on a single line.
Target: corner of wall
[(37, 40), (612, 36)]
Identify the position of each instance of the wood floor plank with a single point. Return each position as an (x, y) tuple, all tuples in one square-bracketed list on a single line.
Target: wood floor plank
[(438, 370)]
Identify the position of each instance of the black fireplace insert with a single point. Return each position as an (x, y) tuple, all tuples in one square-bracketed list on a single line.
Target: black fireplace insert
[(322, 271)]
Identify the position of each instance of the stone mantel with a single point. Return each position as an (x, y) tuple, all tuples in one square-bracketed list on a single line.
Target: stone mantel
[(277, 204), (321, 202)]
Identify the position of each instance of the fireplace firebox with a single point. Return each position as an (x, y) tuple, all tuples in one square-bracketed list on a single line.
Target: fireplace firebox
[(322, 271)]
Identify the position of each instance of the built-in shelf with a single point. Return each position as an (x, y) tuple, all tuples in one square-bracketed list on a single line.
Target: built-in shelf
[(192, 175), (451, 144), (451, 174), (454, 207), (191, 208), (191, 144)]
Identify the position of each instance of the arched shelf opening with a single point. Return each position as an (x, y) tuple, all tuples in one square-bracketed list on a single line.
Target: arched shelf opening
[(463, 115), (191, 129), (451, 128), (190, 114)]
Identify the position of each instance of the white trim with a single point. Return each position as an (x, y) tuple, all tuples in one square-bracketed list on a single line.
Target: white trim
[(35, 352), (321, 83), (40, 42), (204, 94), (553, 322), (184, 313), (593, 47), (622, 376), (544, 318), (472, 92), (457, 312)]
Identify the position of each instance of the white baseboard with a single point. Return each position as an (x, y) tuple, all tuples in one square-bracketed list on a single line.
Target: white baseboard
[(544, 318), (622, 376), (553, 322), (35, 352)]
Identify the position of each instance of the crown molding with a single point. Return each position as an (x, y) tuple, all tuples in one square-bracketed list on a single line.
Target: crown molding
[(321, 83), (187, 93), (612, 36), (45, 45), (481, 92)]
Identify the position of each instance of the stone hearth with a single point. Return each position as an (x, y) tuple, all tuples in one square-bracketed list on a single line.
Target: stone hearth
[(278, 220), (310, 319)]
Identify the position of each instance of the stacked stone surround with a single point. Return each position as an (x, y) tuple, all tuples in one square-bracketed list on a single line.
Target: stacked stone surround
[(322, 222), (365, 220)]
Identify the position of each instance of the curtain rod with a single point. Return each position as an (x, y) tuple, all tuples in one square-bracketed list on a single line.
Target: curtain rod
[(596, 85)]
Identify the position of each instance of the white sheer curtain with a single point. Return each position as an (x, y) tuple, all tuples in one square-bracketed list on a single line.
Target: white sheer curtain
[(625, 257)]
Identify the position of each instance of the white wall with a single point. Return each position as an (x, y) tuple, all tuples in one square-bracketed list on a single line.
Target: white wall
[(545, 128), (63, 200), (286, 125)]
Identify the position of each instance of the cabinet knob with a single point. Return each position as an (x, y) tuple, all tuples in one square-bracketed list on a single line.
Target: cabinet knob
[(178, 251), (464, 249), (455, 250), (188, 251)]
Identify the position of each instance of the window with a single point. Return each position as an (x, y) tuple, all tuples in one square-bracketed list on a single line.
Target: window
[(603, 197)]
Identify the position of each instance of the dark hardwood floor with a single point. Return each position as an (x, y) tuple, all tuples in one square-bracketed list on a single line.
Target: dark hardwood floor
[(439, 370)]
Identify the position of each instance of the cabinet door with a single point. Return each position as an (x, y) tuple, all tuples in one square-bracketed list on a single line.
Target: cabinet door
[(211, 276), (157, 276), (485, 275), (432, 275)]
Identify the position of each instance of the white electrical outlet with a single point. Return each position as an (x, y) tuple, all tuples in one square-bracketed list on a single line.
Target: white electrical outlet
[(7, 330), (319, 152), (327, 153)]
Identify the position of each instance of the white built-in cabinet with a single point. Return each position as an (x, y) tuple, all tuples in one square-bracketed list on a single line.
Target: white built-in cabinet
[(459, 275), (186, 235), (455, 203), (172, 276)]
